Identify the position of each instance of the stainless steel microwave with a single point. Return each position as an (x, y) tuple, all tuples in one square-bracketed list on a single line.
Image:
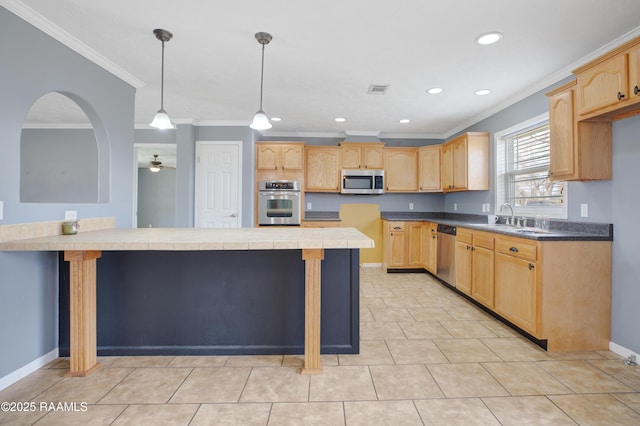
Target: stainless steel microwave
[(362, 181)]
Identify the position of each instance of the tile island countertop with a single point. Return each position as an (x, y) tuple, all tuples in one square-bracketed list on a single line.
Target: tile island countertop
[(265, 238)]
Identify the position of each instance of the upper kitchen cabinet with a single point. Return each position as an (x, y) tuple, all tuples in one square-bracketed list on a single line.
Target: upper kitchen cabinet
[(429, 168), (580, 150), (279, 156), (401, 169), (279, 160), (357, 155), (465, 163), (609, 86), (322, 168)]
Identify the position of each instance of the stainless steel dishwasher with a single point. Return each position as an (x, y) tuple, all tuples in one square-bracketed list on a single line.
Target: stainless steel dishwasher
[(446, 265)]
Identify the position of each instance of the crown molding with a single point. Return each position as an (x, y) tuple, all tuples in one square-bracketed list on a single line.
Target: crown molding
[(34, 18)]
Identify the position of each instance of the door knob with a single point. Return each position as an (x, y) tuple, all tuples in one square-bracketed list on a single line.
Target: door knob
[(233, 215)]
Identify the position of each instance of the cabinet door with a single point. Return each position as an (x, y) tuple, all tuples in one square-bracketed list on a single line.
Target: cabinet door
[(429, 246), (603, 85), (372, 157), (322, 171), (414, 251), (464, 261), (351, 155), (267, 157), (401, 169), (562, 135), (429, 168), (482, 276), (447, 167), (397, 250), (516, 295), (460, 164), (292, 156)]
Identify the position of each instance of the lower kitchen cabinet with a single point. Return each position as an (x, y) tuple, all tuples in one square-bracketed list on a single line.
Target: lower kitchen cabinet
[(430, 246), (402, 245), (474, 265), (556, 291), (516, 291)]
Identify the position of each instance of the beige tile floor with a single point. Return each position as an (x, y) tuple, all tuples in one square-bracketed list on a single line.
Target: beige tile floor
[(428, 357)]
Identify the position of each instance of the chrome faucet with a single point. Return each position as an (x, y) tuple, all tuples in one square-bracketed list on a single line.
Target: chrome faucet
[(511, 208)]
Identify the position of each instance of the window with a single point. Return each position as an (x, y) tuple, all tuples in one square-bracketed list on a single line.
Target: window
[(522, 171)]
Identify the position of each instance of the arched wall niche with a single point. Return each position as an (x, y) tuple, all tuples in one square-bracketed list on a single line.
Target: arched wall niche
[(64, 152)]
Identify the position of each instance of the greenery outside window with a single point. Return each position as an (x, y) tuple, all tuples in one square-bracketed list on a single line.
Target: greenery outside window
[(522, 171)]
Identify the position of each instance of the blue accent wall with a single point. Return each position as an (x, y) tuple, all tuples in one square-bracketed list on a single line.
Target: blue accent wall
[(32, 65)]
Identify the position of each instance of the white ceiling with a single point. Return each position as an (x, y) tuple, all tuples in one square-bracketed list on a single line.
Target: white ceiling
[(325, 54)]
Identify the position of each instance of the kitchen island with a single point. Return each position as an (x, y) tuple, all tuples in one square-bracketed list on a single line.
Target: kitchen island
[(234, 278)]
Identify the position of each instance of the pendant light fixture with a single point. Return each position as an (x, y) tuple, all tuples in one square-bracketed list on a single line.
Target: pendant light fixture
[(260, 120), (161, 120)]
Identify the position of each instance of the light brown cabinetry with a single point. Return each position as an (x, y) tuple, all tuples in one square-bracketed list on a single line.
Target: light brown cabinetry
[(279, 156), (321, 224), (430, 246), (322, 168), (401, 169), (402, 245), (357, 155), (474, 265), (580, 150), (609, 86), (429, 179), (517, 292), (465, 162)]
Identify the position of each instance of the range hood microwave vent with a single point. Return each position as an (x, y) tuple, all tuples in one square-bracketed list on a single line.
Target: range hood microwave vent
[(378, 89)]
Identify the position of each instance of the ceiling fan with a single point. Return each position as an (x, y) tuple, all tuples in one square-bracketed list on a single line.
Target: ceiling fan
[(155, 165)]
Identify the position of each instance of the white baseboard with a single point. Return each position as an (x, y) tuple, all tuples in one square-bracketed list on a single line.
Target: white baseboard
[(622, 351), (372, 265), (13, 377)]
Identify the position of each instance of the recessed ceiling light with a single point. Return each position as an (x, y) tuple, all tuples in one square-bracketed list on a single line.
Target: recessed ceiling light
[(339, 119), (435, 90), (276, 119), (405, 121), (489, 38), (482, 92)]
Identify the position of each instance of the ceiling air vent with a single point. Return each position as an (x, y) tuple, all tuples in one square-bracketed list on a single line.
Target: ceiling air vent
[(377, 89)]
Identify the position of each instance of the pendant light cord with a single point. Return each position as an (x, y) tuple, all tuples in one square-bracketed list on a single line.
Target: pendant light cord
[(261, 77), (162, 80)]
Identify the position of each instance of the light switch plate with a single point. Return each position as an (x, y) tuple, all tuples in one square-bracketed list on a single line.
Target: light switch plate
[(70, 215), (455, 206), (584, 210), (308, 206), (1, 210), (410, 206)]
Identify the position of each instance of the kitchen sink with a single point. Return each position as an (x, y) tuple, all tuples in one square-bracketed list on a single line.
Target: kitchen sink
[(511, 228)]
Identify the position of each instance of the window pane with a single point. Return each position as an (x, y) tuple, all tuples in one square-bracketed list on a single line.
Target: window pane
[(523, 180)]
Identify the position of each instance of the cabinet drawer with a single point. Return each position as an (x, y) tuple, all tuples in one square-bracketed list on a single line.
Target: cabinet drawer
[(522, 249), (463, 235), (483, 239), (396, 226)]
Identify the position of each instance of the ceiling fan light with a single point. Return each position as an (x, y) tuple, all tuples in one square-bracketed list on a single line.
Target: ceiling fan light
[(162, 121), (154, 169), (260, 121)]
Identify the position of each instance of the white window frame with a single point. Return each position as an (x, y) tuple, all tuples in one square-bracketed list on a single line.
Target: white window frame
[(500, 140)]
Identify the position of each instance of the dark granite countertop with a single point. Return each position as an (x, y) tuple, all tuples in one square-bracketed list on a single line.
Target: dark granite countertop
[(559, 230)]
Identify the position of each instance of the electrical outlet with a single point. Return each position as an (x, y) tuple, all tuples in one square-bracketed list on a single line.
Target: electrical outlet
[(308, 206), (584, 210), (455, 206), (488, 207), (1, 210), (410, 206), (484, 208), (70, 215)]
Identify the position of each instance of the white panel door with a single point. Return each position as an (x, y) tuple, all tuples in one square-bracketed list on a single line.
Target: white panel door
[(218, 185)]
